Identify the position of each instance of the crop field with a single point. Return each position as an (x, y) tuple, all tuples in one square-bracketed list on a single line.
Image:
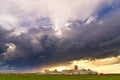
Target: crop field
[(57, 77)]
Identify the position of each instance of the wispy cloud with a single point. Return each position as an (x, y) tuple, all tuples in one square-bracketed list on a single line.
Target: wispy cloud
[(59, 12)]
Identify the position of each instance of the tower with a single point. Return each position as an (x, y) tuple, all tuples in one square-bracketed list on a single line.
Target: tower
[(76, 67)]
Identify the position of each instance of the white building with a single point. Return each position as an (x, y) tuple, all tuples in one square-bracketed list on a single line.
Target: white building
[(72, 71)]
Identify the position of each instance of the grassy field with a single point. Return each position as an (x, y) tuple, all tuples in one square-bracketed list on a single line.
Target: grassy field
[(57, 77)]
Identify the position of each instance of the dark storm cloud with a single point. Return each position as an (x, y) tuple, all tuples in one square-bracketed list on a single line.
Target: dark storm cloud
[(2, 36), (41, 46), (32, 48)]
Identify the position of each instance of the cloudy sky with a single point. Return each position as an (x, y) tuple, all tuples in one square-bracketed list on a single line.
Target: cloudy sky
[(40, 34)]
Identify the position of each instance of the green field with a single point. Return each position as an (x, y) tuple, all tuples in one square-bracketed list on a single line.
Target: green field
[(57, 77)]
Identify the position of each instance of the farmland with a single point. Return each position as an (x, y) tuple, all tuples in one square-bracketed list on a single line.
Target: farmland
[(57, 77)]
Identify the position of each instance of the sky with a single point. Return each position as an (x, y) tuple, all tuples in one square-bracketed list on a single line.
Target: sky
[(49, 34)]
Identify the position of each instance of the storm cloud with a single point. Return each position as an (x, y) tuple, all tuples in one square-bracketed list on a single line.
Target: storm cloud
[(34, 45)]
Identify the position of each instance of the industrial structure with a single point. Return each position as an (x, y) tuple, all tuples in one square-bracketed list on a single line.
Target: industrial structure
[(75, 70)]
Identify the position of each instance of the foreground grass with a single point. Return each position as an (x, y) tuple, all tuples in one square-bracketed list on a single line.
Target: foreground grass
[(57, 77)]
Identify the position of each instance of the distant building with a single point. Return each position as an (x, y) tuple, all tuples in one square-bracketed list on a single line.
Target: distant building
[(47, 71), (52, 72), (72, 71)]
